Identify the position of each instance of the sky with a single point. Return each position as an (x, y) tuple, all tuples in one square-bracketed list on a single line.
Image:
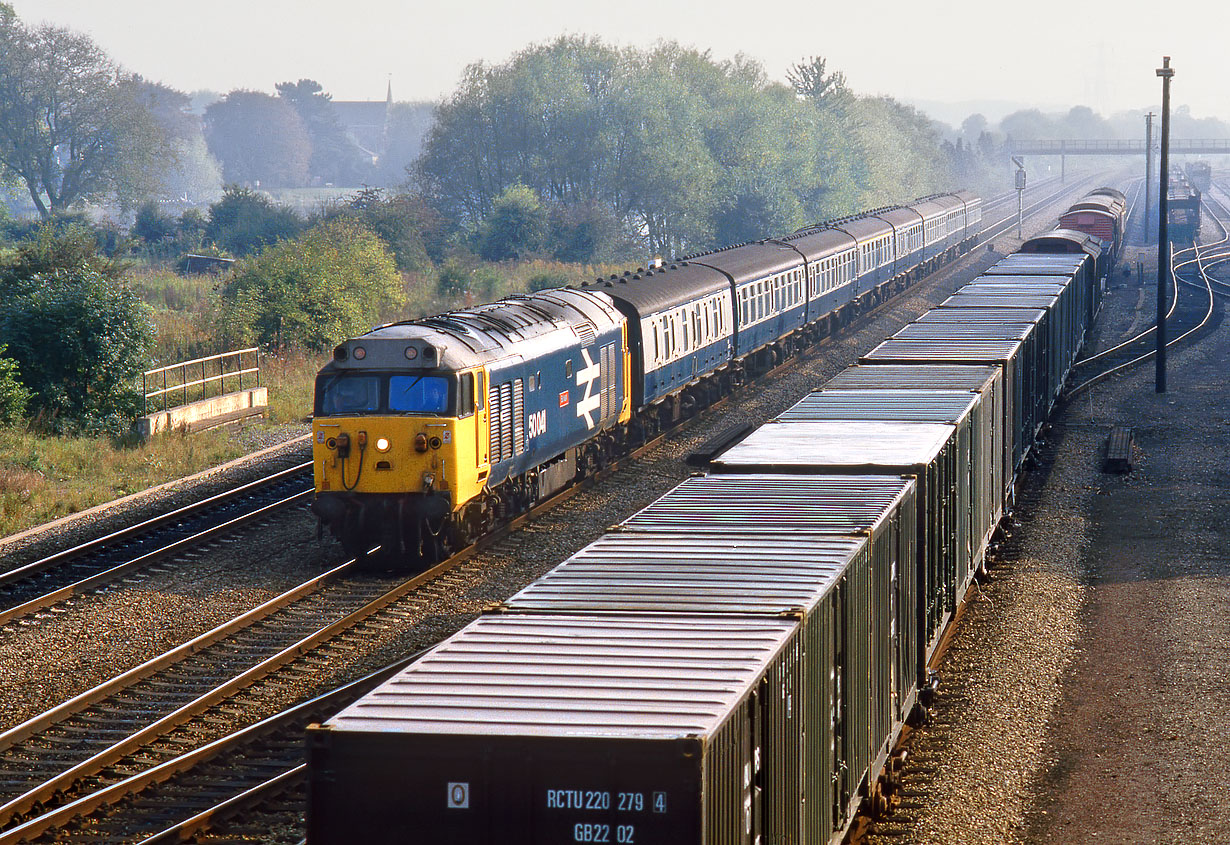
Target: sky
[(1101, 53)]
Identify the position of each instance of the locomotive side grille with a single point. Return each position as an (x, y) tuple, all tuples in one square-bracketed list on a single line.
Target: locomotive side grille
[(586, 332), (506, 427), (608, 381), (518, 417), (493, 403)]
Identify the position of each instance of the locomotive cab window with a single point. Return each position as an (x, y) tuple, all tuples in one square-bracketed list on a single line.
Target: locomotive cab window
[(568, 368), (419, 394), (340, 394), (465, 395), (346, 393)]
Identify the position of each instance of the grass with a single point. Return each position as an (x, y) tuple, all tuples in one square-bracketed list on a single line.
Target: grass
[(43, 478)]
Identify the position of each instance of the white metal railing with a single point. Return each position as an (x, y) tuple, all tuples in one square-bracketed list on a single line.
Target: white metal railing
[(213, 371)]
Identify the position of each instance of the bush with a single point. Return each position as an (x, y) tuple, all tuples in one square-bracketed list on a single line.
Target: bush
[(398, 219), (79, 340), (152, 225), (516, 226), (243, 222), (333, 282), (460, 279), (583, 232), (13, 395), (545, 281), (54, 247)]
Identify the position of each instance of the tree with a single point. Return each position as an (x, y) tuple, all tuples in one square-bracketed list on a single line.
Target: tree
[(973, 127), (72, 125), (336, 158), (259, 139), (243, 221), (516, 226), (79, 339), (809, 80), (334, 281), (190, 173)]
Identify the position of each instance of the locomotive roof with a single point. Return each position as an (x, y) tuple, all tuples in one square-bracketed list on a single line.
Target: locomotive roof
[(485, 333), (657, 289)]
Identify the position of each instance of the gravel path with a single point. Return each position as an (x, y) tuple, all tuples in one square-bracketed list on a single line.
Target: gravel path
[(1136, 756)]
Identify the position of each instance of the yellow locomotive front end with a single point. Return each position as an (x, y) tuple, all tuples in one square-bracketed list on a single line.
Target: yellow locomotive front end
[(397, 450)]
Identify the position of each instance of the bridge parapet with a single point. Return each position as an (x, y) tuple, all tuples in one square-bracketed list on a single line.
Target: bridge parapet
[(1214, 146)]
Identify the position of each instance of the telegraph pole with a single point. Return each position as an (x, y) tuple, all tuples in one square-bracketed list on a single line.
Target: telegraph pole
[(1148, 172), (1163, 235)]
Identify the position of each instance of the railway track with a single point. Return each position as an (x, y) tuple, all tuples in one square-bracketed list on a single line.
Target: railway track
[(36, 586), (194, 744), (1187, 317)]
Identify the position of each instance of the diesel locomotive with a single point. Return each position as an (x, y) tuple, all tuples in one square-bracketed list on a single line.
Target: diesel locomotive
[(429, 432)]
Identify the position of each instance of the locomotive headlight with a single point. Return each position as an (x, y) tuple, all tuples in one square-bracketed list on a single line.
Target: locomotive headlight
[(382, 444), (359, 353)]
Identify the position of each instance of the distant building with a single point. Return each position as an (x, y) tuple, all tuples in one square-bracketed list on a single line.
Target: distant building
[(367, 122)]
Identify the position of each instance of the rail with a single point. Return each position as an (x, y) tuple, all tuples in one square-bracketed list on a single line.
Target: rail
[(188, 388)]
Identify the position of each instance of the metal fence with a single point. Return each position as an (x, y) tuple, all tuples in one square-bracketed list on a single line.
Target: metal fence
[(165, 382)]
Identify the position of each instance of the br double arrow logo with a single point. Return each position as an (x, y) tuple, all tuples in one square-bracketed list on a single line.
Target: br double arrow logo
[(590, 400)]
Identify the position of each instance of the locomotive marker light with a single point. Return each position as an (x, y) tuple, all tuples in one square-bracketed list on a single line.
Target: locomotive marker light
[(1163, 220), (382, 444)]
